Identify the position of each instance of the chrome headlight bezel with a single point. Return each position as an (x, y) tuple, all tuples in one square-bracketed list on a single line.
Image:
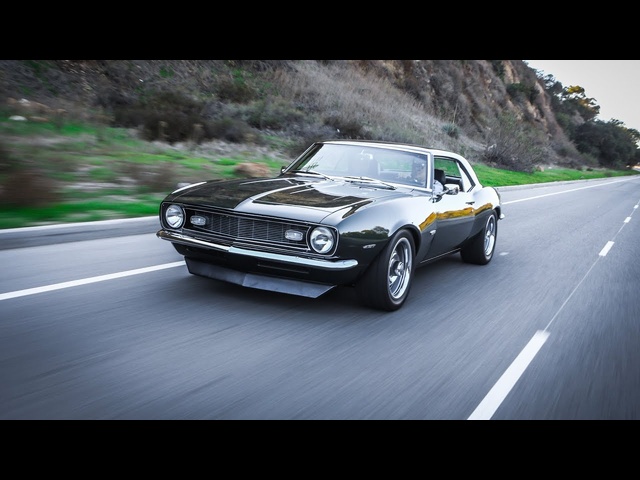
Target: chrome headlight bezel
[(174, 216), (322, 240)]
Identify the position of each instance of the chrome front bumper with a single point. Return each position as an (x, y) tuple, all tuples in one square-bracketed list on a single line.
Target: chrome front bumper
[(182, 239)]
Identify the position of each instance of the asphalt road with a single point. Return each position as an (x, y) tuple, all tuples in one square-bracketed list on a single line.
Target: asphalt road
[(103, 321)]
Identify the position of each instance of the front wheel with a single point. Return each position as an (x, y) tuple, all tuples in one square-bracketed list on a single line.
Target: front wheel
[(480, 248), (386, 283)]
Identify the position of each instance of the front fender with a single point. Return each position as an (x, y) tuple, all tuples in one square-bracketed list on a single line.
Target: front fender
[(364, 233)]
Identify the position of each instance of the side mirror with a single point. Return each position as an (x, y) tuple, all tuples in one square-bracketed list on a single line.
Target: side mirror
[(451, 189)]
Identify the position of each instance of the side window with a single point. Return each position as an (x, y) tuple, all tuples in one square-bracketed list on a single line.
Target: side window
[(454, 172)]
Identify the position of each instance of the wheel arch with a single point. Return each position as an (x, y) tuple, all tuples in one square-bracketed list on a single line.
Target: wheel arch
[(415, 233)]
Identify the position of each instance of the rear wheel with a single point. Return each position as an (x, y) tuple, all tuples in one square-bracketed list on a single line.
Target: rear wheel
[(480, 248), (386, 284)]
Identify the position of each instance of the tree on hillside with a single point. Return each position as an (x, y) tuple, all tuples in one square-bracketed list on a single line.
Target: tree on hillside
[(574, 97), (613, 145), (610, 143)]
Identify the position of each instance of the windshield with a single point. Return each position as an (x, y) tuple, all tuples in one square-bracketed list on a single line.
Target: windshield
[(366, 162)]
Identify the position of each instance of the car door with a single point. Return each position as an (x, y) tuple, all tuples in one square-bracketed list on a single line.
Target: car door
[(455, 212)]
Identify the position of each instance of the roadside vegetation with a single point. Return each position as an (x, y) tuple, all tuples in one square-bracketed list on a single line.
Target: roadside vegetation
[(78, 173), (75, 172)]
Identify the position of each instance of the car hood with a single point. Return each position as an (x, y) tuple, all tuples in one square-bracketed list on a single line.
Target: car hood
[(288, 197)]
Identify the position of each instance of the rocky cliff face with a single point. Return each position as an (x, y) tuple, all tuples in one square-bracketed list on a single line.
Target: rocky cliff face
[(470, 94)]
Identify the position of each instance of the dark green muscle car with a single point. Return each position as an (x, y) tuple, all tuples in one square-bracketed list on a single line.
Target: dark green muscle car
[(349, 213)]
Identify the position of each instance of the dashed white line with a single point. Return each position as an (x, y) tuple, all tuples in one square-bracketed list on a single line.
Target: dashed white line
[(84, 281), (493, 399), (606, 249)]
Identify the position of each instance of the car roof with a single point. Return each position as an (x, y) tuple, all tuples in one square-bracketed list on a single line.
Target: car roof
[(397, 145)]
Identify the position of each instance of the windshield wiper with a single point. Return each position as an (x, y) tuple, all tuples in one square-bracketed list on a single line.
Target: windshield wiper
[(369, 180), (311, 172)]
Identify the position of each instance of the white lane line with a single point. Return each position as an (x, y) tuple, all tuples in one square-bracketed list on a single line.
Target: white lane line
[(627, 220), (565, 191), (84, 281), (57, 226), (605, 249), (493, 399)]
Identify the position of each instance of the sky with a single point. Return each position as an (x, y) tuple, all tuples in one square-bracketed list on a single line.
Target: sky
[(614, 85)]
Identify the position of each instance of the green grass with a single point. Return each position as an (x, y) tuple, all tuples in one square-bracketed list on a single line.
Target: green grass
[(73, 154), (495, 177), (80, 211)]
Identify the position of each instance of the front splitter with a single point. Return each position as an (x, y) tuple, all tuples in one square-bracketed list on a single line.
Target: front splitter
[(260, 282)]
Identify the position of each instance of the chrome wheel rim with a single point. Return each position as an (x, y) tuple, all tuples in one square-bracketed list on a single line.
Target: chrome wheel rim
[(400, 264), (490, 236)]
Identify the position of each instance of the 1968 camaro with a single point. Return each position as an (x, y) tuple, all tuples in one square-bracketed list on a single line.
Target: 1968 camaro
[(361, 214)]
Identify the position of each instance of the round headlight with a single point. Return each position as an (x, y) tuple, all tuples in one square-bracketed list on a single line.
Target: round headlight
[(322, 240), (174, 216)]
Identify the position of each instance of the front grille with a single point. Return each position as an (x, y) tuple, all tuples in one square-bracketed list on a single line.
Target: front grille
[(243, 228)]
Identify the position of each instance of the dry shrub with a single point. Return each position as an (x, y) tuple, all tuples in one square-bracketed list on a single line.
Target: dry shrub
[(252, 170), (158, 177), (28, 188), (234, 89), (22, 186), (273, 113), (347, 96), (7, 162), (166, 116), (229, 129), (511, 146)]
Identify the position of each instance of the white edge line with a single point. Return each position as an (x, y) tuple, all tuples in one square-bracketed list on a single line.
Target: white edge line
[(113, 221), (563, 191), (84, 281), (493, 399)]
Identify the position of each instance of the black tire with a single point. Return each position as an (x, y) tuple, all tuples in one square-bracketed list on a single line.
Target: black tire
[(479, 250), (386, 283)]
